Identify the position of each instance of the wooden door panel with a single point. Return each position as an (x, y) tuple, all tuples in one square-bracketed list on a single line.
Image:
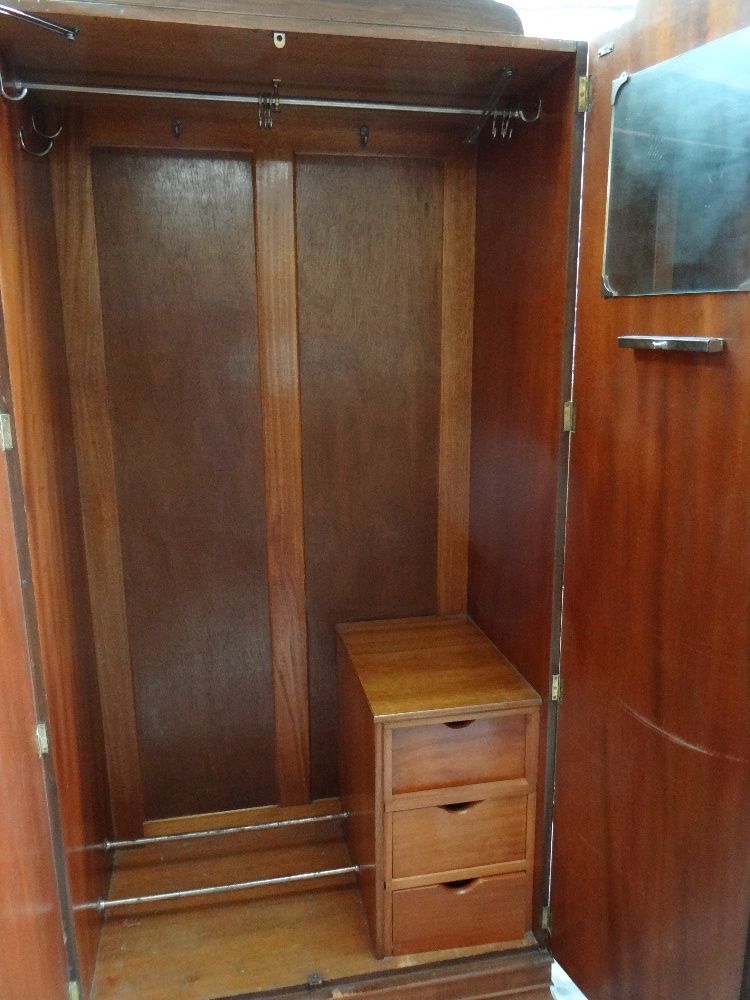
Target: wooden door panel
[(369, 234), (651, 873), (177, 263)]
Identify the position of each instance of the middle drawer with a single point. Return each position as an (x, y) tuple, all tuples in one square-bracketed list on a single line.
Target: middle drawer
[(438, 839)]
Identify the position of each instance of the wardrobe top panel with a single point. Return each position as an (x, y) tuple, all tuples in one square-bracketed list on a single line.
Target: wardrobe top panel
[(424, 52), (422, 667)]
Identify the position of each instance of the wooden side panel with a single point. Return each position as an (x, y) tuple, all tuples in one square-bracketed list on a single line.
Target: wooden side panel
[(455, 384), (183, 387), (653, 788), (44, 439), (369, 235), (521, 282), (79, 278), (277, 305), (32, 958)]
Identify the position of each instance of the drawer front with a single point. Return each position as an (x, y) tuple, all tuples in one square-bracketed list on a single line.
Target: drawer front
[(448, 838), (441, 755), (484, 911)]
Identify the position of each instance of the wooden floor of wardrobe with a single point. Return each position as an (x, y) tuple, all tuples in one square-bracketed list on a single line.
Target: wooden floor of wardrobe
[(244, 942)]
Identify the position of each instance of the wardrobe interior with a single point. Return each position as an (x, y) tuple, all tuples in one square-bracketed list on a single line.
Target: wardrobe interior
[(266, 381)]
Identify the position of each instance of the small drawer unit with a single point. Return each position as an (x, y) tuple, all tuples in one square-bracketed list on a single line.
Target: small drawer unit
[(439, 737)]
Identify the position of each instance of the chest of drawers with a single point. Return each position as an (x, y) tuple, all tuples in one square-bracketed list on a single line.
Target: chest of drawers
[(439, 739)]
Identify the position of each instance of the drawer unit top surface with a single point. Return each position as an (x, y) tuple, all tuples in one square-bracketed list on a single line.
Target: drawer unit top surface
[(420, 667)]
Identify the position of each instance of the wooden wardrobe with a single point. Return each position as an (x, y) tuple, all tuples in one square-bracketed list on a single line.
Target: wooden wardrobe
[(290, 357)]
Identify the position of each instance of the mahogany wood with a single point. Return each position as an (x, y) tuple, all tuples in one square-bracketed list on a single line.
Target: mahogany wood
[(461, 835), (79, 277), (32, 959), (239, 817), (369, 236), (36, 351), (455, 384), (480, 911), (653, 789), (183, 398), (277, 319), (519, 341)]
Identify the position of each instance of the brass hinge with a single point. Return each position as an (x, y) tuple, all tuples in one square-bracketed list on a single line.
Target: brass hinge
[(585, 93), (6, 432), (41, 737), (74, 990), (556, 687), (569, 416), (546, 918)]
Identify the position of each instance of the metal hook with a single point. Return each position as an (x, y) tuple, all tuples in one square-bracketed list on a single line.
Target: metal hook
[(19, 94), (44, 135), (32, 152), (528, 120)]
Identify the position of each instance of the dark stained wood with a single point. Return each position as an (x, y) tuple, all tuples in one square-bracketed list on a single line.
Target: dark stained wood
[(81, 307), (277, 327), (43, 431), (455, 389), (369, 235), (653, 787), (182, 371), (523, 196), (32, 960)]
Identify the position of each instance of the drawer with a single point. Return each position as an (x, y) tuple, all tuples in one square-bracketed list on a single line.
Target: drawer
[(466, 835), (482, 911), (465, 752)]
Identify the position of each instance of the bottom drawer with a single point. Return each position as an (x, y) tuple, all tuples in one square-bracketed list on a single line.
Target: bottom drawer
[(457, 914)]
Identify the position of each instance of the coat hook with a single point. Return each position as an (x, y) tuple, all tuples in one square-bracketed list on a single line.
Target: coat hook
[(529, 119), (364, 135), (176, 128), (31, 152), (17, 96), (45, 135)]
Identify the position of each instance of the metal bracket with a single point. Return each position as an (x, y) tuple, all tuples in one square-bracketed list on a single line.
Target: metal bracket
[(585, 94), (569, 416), (647, 342), (74, 990), (41, 738), (606, 50), (617, 84), (40, 22), (557, 688), (6, 432), (546, 918)]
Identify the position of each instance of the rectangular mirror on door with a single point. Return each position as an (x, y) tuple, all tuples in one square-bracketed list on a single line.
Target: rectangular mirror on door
[(679, 172)]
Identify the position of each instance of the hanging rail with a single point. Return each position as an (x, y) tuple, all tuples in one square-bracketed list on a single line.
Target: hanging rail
[(40, 22), (214, 890), (167, 838)]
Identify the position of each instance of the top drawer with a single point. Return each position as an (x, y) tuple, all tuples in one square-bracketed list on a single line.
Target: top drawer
[(464, 752)]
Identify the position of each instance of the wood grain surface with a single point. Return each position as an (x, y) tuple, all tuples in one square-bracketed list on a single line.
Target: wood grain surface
[(277, 327), (183, 395), (653, 789), (369, 236), (81, 309)]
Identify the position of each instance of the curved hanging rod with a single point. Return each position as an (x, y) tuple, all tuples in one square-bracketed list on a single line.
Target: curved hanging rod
[(20, 92), (40, 22), (32, 152), (45, 135), (533, 118)]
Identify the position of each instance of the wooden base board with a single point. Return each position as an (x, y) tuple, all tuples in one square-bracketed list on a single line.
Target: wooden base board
[(260, 942)]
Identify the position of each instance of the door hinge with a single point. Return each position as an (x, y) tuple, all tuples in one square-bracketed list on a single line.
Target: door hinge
[(6, 432), (557, 686), (74, 990), (585, 93), (546, 918), (569, 416), (41, 738)]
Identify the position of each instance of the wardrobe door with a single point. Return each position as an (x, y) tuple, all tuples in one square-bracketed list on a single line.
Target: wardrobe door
[(651, 868), (176, 250)]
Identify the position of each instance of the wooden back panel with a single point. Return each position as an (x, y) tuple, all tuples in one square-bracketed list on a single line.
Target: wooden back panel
[(369, 236), (176, 252), (651, 880)]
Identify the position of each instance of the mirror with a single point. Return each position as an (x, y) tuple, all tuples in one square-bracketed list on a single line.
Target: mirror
[(679, 175)]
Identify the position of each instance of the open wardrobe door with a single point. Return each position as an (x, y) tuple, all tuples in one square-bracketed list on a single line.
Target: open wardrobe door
[(651, 872)]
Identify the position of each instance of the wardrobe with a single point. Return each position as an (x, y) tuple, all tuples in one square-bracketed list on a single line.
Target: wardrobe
[(304, 325)]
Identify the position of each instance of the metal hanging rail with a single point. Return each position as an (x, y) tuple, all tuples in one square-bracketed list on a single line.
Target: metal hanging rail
[(40, 22), (214, 890), (167, 838)]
